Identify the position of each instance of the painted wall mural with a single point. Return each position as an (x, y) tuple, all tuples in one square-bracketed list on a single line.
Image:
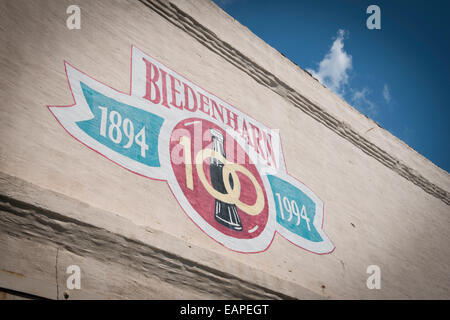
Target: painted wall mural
[(226, 170)]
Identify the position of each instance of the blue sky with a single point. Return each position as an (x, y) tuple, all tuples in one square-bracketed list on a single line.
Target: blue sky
[(399, 76)]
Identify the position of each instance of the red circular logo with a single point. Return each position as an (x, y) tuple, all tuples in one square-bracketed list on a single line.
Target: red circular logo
[(218, 179)]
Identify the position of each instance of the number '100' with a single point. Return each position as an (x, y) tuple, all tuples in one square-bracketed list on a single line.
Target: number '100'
[(292, 209), (114, 130)]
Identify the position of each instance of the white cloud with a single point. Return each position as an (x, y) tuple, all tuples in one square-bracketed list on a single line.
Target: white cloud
[(363, 103), (333, 69), (386, 93)]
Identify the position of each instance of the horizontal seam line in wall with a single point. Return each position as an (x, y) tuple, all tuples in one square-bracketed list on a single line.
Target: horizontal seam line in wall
[(54, 227)]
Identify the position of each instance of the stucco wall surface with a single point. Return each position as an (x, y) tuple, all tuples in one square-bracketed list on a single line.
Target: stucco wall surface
[(64, 204)]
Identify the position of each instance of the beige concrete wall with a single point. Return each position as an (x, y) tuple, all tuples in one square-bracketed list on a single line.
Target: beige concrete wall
[(374, 212)]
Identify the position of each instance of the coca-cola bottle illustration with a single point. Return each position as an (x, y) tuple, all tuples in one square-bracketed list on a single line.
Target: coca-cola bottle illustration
[(224, 213)]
